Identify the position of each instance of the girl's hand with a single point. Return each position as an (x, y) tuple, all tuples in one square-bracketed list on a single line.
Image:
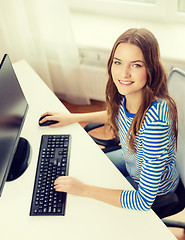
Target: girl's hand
[(62, 118), (74, 186), (70, 185)]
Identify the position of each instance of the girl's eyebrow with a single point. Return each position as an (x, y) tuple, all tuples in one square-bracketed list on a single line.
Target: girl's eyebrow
[(137, 61), (131, 61), (117, 59)]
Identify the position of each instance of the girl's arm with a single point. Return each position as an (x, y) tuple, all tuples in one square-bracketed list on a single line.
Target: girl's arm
[(73, 186), (150, 178), (68, 118)]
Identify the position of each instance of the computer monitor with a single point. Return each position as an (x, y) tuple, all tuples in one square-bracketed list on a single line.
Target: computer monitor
[(14, 151)]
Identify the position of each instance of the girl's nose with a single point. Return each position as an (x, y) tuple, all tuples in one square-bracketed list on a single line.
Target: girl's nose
[(125, 72)]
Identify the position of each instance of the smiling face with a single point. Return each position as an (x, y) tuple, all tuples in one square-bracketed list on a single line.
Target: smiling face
[(128, 71)]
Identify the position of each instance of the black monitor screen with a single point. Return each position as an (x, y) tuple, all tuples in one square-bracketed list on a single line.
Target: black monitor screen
[(13, 107)]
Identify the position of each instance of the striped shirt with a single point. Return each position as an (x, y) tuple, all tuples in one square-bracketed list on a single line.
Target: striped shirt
[(153, 166)]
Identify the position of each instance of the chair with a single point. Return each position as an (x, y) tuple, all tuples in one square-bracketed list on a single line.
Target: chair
[(176, 86)]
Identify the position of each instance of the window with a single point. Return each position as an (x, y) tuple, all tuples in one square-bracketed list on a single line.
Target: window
[(146, 1), (181, 6), (154, 10)]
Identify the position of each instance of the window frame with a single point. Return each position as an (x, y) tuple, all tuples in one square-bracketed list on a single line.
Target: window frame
[(162, 10)]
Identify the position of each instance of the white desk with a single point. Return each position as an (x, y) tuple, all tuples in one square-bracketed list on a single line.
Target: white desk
[(85, 218)]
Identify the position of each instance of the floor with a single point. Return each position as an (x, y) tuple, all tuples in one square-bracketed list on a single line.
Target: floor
[(98, 106)]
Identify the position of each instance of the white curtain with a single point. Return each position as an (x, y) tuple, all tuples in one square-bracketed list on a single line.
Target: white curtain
[(40, 32)]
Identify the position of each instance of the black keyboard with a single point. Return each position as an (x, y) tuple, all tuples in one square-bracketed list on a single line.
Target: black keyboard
[(53, 162)]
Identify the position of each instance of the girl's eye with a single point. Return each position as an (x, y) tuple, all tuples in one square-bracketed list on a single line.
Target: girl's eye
[(136, 65), (117, 62)]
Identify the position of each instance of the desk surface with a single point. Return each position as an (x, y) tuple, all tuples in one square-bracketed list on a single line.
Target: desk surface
[(85, 218)]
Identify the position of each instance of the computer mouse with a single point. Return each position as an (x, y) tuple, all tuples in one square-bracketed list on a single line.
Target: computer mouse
[(46, 123)]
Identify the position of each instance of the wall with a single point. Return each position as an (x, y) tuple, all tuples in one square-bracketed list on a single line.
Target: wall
[(95, 35)]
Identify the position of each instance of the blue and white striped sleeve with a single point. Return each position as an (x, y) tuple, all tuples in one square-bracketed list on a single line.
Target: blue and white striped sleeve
[(155, 143)]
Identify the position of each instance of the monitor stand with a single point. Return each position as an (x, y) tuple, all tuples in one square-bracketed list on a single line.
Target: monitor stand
[(20, 161)]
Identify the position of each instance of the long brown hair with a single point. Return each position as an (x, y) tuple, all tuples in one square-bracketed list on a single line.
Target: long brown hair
[(156, 85)]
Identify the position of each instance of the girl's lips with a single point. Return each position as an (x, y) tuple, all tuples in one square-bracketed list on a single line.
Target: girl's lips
[(126, 83)]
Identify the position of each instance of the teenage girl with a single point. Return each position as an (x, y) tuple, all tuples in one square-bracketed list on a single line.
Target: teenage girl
[(144, 117)]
